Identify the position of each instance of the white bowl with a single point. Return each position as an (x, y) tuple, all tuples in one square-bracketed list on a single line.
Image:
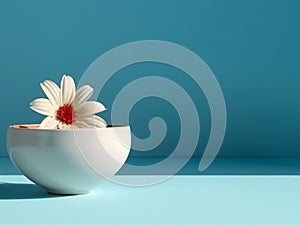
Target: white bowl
[(68, 161)]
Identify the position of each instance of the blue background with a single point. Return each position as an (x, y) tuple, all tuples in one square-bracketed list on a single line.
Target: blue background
[(251, 46)]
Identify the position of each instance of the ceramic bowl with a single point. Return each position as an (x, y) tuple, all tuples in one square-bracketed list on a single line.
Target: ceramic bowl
[(68, 161)]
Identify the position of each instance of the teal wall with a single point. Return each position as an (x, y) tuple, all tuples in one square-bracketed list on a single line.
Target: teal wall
[(252, 47)]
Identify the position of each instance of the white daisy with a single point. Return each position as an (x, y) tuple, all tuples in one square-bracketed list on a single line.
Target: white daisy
[(66, 107)]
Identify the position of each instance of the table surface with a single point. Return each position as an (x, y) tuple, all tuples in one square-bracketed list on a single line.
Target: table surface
[(181, 200), (234, 191)]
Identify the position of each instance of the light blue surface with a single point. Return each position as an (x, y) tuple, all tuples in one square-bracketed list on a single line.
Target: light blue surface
[(252, 46), (182, 200)]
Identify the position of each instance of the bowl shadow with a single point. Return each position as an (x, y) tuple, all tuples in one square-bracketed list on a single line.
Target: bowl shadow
[(23, 191)]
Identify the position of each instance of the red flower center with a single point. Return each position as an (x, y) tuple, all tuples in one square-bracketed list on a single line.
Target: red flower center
[(66, 114)]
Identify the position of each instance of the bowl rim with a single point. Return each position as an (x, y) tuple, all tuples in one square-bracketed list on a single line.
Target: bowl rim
[(35, 127)]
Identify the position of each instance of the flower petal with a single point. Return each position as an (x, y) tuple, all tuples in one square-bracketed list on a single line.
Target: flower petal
[(89, 108), (82, 95), (93, 121), (49, 123), (52, 92), (59, 125), (42, 106), (67, 92), (96, 120), (80, 124), (64, 126)]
